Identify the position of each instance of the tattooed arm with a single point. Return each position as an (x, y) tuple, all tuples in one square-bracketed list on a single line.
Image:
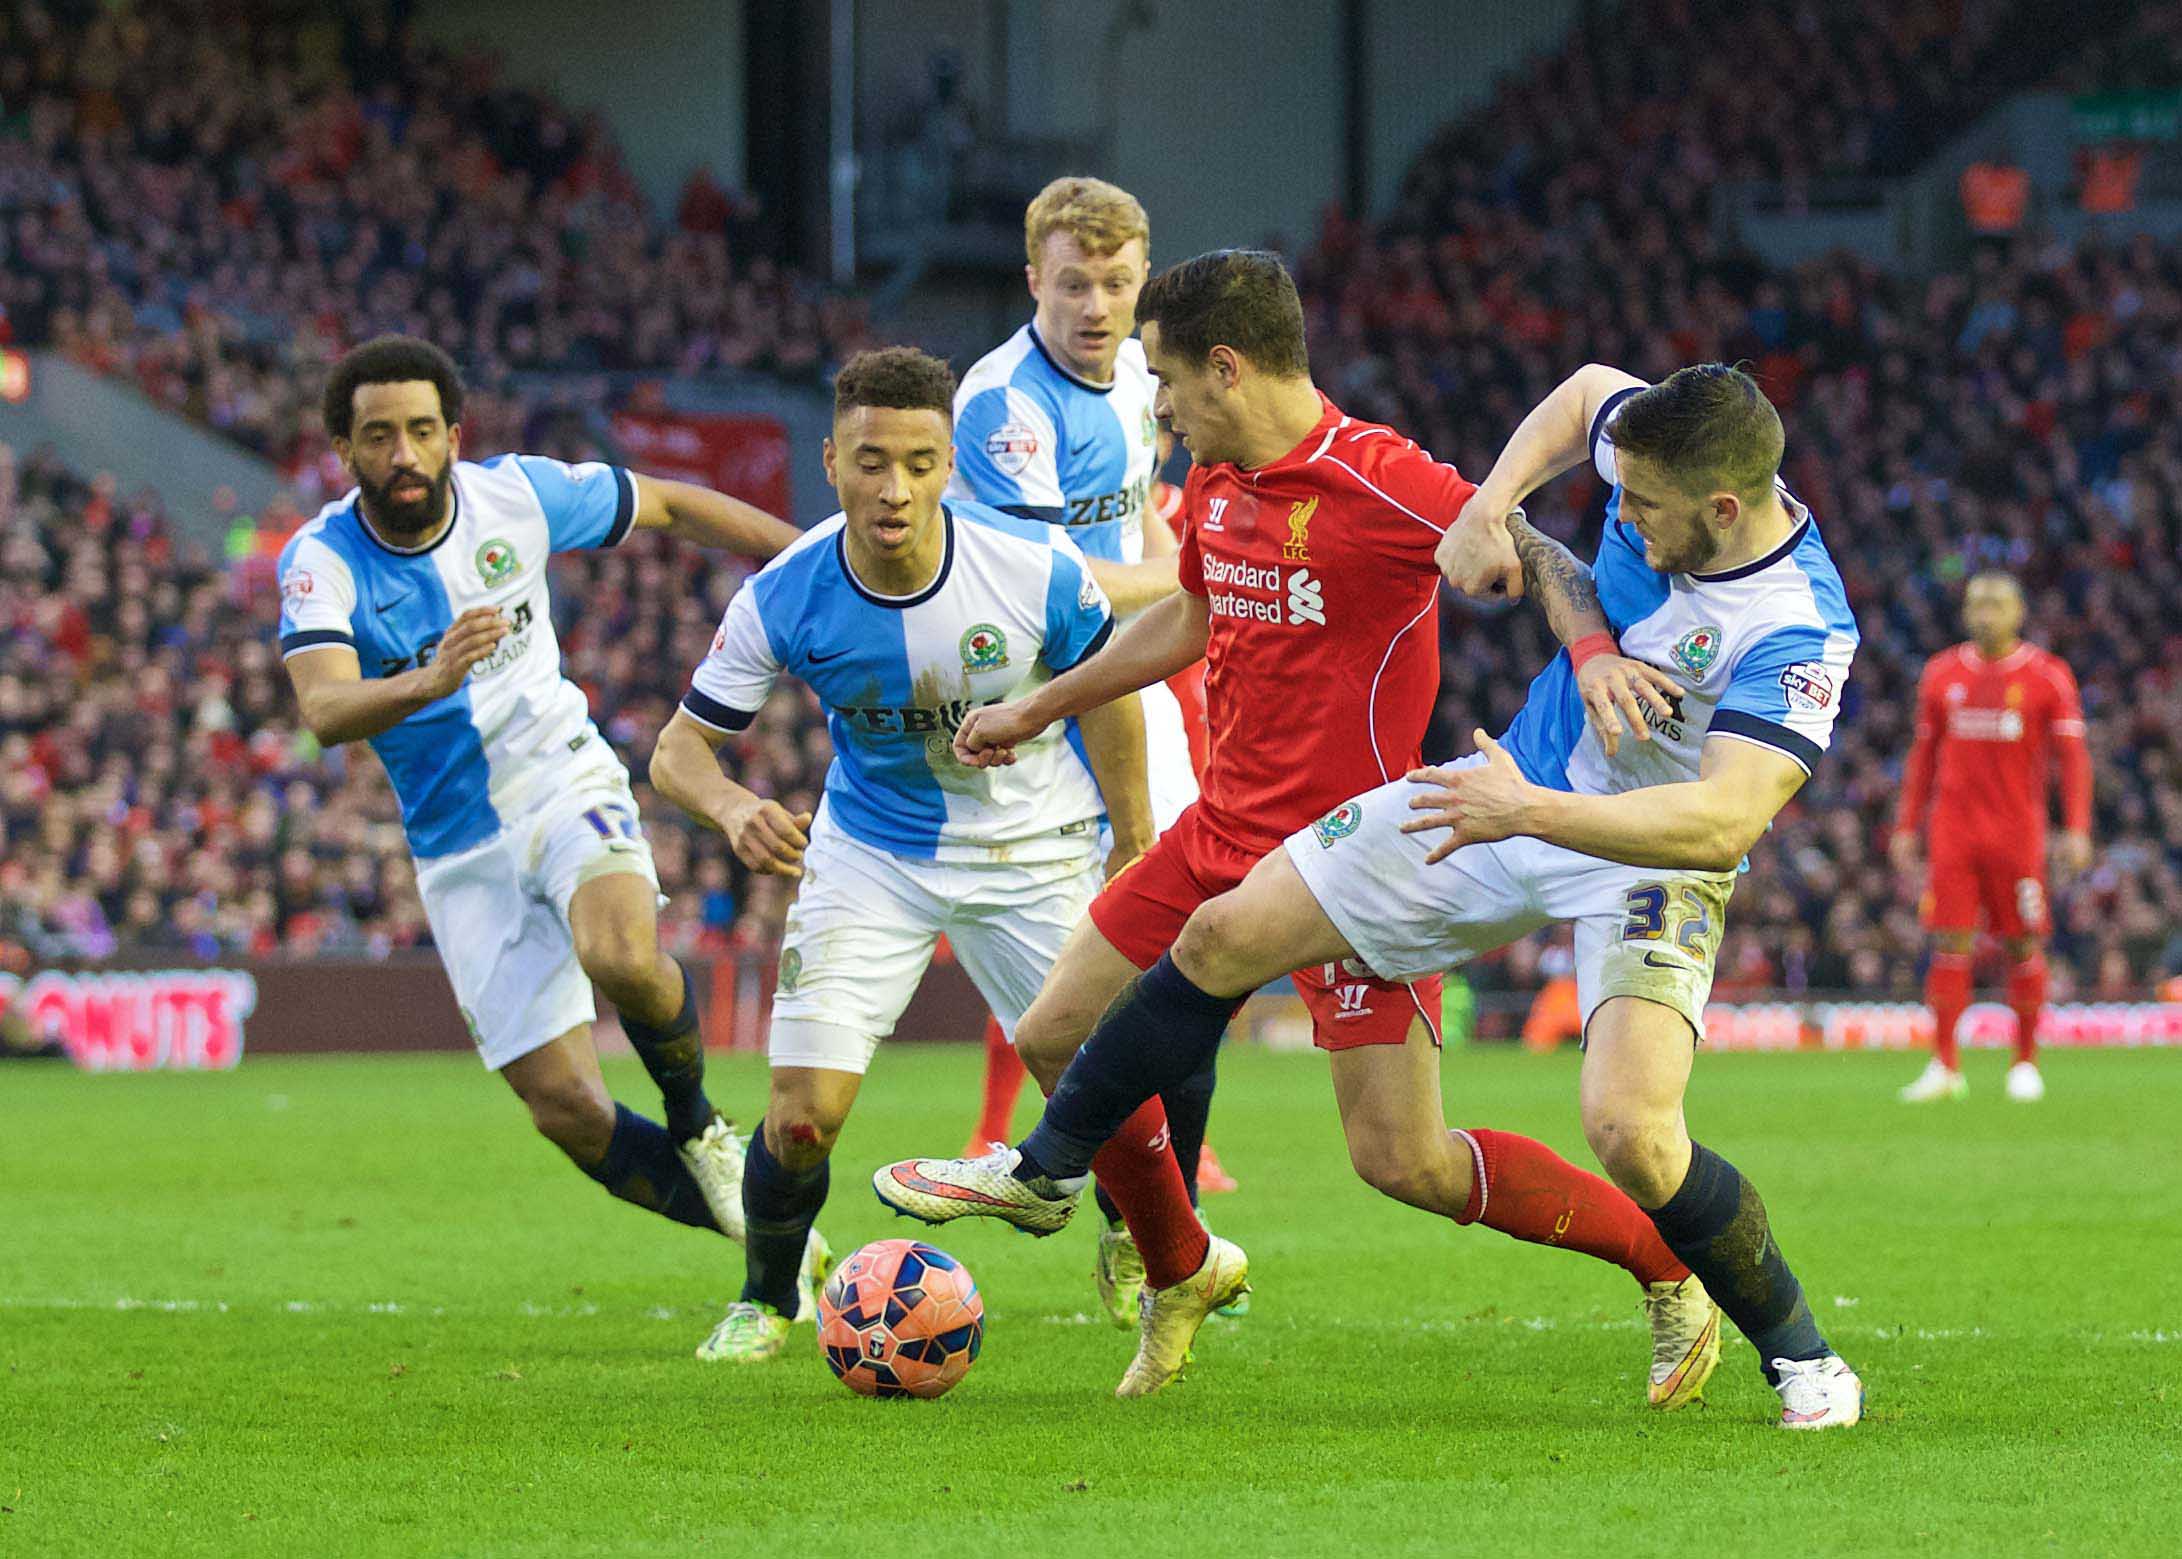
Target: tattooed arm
[(1557, 580), (1617, 693)]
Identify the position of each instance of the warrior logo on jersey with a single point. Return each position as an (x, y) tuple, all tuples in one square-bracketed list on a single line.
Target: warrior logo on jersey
[(1337, 824), (1012, 446), (984, 648), (1696, 650), (1298, 547), (495, 561)]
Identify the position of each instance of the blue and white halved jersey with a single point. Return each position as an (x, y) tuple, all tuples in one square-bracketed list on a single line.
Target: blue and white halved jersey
[(1762, 652), (495, 745), (1012, 605), (1034, 440)]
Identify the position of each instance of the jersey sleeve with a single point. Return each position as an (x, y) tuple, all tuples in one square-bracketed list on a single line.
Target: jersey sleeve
[(2066, 717), (317, 597), (1602, 437), (1924, 746), (1007, 453), (1079, 618), (1785, 692), (737, 674), (1415, 497), (1189, 561), (588, 505)]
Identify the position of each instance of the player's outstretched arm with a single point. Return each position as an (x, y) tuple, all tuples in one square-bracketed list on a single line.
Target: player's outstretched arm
[(1555, 436), (1165, 639), (1705, 824), (340, 705), (704, 518), (766, 836), (1113, 741)]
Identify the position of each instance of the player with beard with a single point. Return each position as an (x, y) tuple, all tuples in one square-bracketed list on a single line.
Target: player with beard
[(415, 616)]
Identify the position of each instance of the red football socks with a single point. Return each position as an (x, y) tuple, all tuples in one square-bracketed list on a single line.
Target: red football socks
[(2027, 995), (1003, 1081), (1947, 993), (1138, 1170), (1530, 1192)]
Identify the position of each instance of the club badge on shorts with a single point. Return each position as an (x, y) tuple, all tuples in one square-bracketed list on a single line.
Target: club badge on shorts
[(1337, 824)]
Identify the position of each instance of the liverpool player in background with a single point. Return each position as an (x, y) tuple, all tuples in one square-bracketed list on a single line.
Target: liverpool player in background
[(1992, 715), (1308, 586)]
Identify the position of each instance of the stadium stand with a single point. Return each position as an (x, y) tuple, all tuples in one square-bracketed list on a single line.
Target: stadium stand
[(154, 786)]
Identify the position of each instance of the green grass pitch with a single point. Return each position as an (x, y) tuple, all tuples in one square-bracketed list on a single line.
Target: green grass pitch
[(345, 1306)]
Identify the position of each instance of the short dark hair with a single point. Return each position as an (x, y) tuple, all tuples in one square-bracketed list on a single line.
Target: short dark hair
[(389, 360), (1709, 426), (1239, 298), (900, 378)]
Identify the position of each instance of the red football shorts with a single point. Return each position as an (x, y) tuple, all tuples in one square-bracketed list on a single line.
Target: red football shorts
[(1142, 910), (2006, 881)]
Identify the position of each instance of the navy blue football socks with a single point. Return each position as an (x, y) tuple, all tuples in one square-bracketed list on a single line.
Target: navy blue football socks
[(779, 1206), (642, 1167), (675, 1058), (1189, 1106), (1159, 1034), (1717, 1225)]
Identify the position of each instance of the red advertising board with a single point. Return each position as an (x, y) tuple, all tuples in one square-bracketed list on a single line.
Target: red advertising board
[(746, 457), (131, 1020)]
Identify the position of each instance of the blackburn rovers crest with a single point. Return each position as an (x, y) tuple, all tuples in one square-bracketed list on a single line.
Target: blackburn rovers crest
[(984, 648), (495, 561), (1696, 650), (1337, 824)]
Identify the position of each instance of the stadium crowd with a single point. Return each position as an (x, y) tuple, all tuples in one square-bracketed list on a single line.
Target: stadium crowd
[(156, 790), (217, 212)]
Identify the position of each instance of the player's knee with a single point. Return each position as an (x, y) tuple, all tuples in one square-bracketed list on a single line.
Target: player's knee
[(1046, 1040), (801, 1136), (1639, 1152), (623, 959), (1214, 947)]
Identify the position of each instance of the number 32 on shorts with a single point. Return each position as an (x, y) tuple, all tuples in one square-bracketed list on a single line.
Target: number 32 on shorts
[(1651, 905)]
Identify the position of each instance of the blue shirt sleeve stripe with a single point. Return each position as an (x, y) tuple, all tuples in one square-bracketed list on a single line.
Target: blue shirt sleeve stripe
[(1098, 642)]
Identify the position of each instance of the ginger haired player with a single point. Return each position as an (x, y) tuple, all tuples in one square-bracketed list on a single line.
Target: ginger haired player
[(1309, 586), (1994, 715)]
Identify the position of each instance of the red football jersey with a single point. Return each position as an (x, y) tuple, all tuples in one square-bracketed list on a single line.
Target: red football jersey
[(1323, 659), (1987, 732)]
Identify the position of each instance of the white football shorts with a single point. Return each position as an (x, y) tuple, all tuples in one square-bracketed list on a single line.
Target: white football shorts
[(861, 932), (1641, 931), (499, 912)]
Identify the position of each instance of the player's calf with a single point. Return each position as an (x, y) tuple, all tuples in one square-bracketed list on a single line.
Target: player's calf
[(1432, 1172)]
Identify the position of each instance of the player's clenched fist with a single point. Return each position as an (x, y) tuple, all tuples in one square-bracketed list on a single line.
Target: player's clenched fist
[(1476, 554), (767, 837), (468, 640), (989, 737)]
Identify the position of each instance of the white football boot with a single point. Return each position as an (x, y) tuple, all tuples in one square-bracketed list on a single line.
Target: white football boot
[(939, 1190), (749, 1333), (1173, 1315), (817, 1267), (1685, 1341), (1937, 1081), (2025, 1085), (1818, 1393), (715, 1162)]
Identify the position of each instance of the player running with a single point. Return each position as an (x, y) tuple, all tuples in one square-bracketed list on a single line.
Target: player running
[(415, 616), (1309, 586), (903, 613), (1056, 424), (1992, 715)]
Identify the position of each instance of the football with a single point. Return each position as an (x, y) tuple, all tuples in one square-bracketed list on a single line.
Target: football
[(901, 1319)]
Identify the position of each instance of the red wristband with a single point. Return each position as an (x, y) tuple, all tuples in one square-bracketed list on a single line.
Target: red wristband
[(1590, 646)]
